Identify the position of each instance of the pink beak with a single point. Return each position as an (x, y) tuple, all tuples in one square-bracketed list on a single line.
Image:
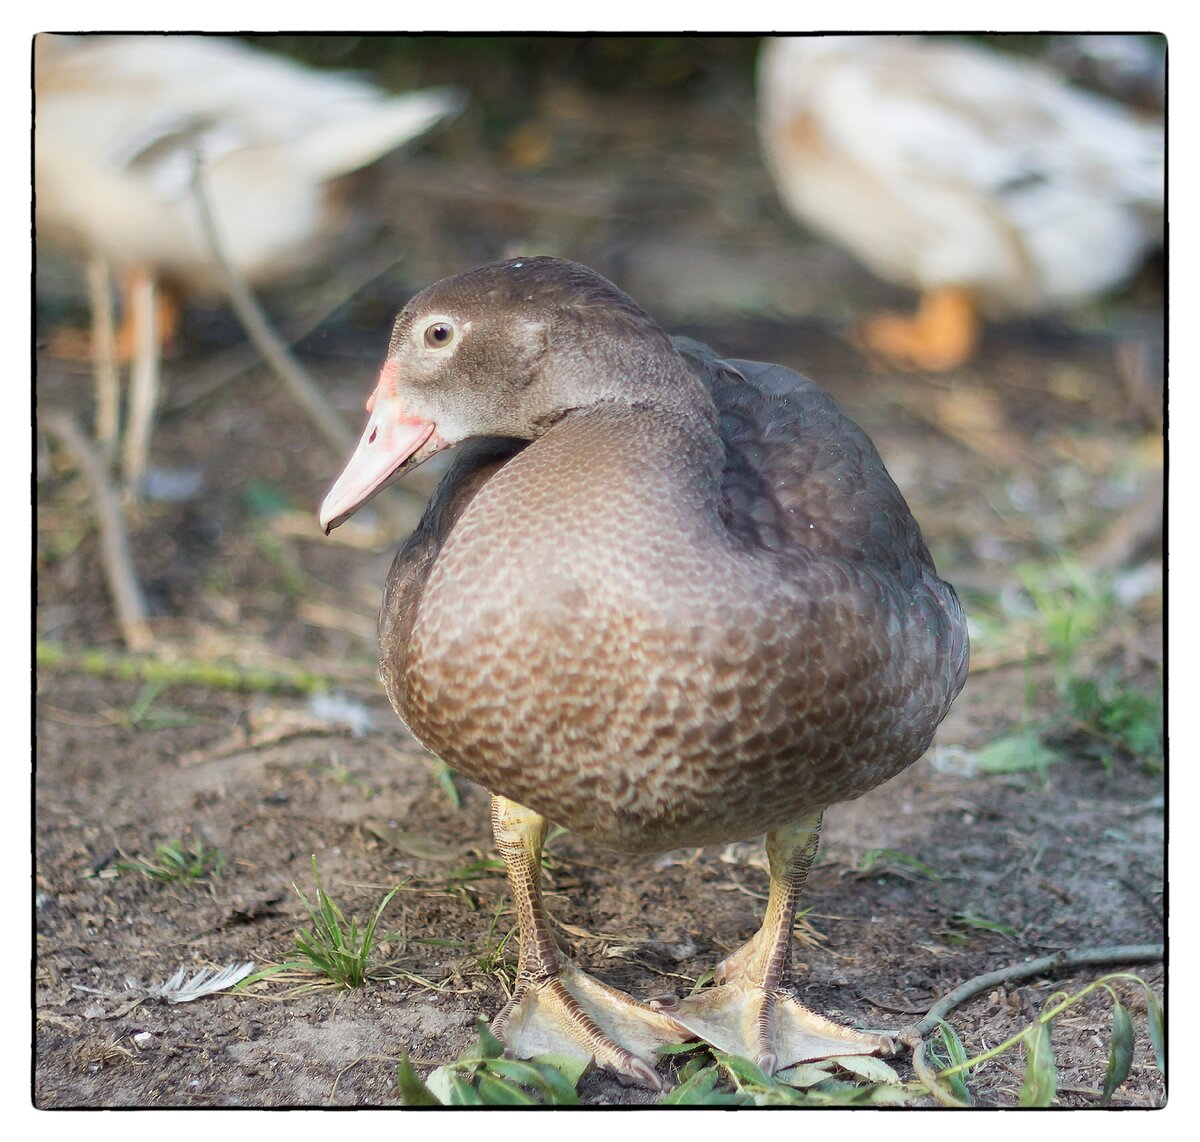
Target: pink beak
[(390, 439)]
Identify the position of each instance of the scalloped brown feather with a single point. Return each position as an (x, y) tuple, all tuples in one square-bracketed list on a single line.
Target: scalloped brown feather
[(661, 637)]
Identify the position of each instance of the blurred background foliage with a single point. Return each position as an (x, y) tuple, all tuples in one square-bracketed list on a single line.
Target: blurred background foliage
[(518, 70)]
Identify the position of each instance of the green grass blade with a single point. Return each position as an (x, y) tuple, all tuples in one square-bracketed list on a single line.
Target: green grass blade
[(957, 1054), (1154, 1016), (445, 780)]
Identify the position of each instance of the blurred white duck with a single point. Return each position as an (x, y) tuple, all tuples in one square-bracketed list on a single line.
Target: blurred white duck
[(120, 123), (983, 181)]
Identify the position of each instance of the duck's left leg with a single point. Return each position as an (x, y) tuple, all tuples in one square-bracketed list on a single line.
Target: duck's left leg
[(941, 335), (142, 292), (556, 1006), (751, 1012)]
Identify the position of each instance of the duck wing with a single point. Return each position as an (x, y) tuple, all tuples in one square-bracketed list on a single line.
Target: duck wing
[(802, 480)]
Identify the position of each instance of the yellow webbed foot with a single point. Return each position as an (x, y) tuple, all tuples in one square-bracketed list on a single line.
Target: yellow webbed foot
[(575, 1014), (770, 1026)]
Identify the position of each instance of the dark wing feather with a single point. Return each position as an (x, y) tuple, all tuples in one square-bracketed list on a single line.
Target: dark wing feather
[(799, 473)]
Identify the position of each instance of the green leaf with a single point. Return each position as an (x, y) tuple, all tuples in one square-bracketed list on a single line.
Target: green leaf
[(568, 1066), (694, 1066), (555, 1089), (486, 1045), (888, 1095), (413, 1092), (1041, 1076), (1154, 1016), (440, 1086), (872, 1069), (496, 1092), (777, 1094), (491, 1047), (835, 1092), (560, 1084), (700, 1090), (462, 1093), (1017, 753), (680, 1048), (804, 1074), (743, 1072), (1120, 1051)]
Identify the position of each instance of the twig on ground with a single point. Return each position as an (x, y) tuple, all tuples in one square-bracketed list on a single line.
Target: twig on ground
[(913, 1037), (269, 343), (925, 1073), (194, 672), (1000, 660), (115, 552), (227, 366), (1127, 953), (279, 356), (1138, 528)]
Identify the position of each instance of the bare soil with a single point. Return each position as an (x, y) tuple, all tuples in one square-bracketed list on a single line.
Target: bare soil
[(1030, 453)]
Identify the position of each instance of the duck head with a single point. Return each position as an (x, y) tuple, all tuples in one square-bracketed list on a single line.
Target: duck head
[(503, 350)]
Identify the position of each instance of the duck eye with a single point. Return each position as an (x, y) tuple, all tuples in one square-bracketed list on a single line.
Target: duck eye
[(439, 335)]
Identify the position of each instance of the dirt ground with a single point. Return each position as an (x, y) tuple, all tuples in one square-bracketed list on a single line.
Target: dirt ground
[(1034, 452)]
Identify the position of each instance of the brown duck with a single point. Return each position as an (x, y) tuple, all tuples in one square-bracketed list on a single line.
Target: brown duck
[(660, 598)]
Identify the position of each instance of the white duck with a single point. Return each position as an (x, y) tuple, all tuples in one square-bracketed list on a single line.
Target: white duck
[(983, 181), (121, 121)]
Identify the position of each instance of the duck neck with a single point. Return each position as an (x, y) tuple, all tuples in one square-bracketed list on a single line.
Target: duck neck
[(641, 374)]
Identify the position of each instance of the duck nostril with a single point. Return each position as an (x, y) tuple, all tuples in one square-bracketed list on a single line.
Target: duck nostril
[(374, 433)]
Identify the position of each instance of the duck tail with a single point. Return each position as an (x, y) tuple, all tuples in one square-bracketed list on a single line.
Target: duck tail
[(366, 130)]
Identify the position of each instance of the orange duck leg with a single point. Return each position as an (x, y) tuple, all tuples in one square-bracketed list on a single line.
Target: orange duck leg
[(941, 335)]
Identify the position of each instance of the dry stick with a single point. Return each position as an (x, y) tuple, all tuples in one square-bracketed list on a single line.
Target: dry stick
[(185, 672), (259, 330), (1139, 526), (1125, 953), (234, 362), (914, 1037), (926, 1073), (114, 539)]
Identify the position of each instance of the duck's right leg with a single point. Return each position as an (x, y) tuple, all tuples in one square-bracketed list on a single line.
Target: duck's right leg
[(556, 1006), (942, 334)]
